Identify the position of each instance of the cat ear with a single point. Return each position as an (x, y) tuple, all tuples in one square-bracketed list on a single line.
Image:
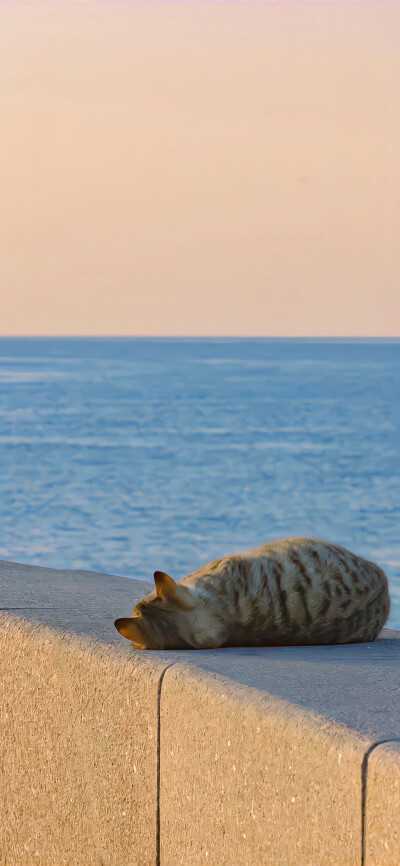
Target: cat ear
[(130, 628), (175, 592)]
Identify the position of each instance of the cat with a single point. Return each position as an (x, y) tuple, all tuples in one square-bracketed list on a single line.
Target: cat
[(289, 592)]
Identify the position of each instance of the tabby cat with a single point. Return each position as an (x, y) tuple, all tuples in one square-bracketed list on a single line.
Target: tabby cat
[(294, 591)]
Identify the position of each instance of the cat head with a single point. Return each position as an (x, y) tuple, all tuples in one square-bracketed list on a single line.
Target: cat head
[(162, 620)]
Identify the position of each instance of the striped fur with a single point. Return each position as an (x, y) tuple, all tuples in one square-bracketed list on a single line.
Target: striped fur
[(289, 592)]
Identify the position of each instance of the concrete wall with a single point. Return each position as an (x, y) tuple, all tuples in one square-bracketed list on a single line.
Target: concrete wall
[(382, 829), (279, 756)]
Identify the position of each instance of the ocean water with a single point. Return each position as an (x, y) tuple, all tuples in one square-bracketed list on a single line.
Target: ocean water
[(131, 455)]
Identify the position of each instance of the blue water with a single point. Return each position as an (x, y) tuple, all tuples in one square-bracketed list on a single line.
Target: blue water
[(130, 455)]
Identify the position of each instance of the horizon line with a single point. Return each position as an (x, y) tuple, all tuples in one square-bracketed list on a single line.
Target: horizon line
[(198, 337)]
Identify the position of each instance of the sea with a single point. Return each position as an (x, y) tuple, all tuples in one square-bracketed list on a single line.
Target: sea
[(131, 455)]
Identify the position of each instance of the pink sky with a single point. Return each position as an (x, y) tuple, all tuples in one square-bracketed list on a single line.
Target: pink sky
[(200, 168)]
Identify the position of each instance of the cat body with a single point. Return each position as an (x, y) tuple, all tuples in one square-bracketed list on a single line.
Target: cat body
[(289, 592)]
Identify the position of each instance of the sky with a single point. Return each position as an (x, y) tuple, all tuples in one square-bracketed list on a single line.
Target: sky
[(200, 168)]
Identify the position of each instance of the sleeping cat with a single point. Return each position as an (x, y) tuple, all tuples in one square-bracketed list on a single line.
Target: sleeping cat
[(294, 591)]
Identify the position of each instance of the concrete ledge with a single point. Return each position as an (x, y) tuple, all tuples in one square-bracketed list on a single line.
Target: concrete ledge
[(382, 824), (79, 729), (258, 756), (79, 746), (270, 783)]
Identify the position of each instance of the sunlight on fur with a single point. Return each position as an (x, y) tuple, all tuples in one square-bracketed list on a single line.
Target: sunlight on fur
[(290, 592)]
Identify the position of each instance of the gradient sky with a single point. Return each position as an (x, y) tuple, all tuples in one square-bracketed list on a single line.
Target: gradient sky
[(200, 168)]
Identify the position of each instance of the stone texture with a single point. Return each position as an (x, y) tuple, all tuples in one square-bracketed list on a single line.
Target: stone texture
[(81, 602), (254, 780), (382, 819), (79, 719), (262, 751), (356, 685)]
